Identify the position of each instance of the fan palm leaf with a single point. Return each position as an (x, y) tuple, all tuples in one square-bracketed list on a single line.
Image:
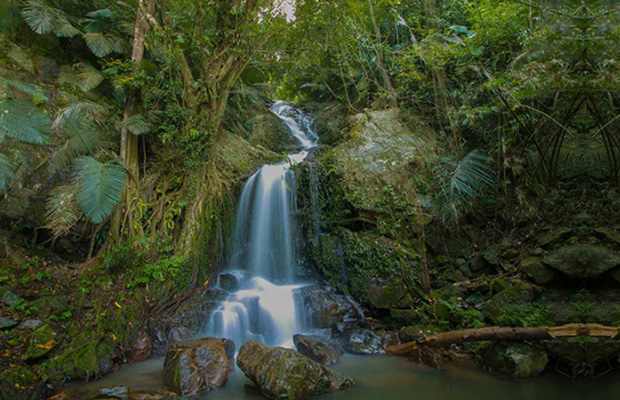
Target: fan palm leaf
[(21, 121), (100, 186), (62, 210)]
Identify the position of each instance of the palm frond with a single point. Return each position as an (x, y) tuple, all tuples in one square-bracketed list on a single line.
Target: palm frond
[(62, 210), (21, 121), (7, 174), (77, 111), (43, 18), (26, 88), (101, 45), (462, 181), (100, 186), (137, 125), (83, 138), (89, 78)]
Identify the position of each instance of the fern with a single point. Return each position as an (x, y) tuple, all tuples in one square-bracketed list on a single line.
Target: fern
[(21, 121), (62, 209), (137, 125), (462, 181), (100, 186)]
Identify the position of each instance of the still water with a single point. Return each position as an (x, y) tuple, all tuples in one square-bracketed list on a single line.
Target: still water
[(395, 378)]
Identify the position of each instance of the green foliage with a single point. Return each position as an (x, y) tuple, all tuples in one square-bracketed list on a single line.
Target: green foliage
[(460, 182), (62, 209), (23, 122), (100, 187)]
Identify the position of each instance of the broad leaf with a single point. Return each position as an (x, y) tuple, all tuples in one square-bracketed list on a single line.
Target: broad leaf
[(21, 121)]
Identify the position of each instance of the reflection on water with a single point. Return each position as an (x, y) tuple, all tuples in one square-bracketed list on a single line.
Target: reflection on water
[(394, 378)]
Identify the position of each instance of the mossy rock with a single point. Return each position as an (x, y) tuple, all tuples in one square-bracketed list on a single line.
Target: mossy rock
[(17, 384), (583, 261), (553, 235), (86, 357), (536, 270), (518, 360), (515, 306), (408, 317), (42, 341), (389, 296)]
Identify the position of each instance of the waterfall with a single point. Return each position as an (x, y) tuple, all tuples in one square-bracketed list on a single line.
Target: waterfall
[(263, 257)]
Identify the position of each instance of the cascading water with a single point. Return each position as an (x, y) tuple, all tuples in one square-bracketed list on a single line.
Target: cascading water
[(264, 258)]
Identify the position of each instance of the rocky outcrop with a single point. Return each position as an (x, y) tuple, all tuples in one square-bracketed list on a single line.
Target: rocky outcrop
[(535, 270), (583, 261), (284, 373), (141, 349), (198, 366), (318, 348), (327, 308), (385, 296)]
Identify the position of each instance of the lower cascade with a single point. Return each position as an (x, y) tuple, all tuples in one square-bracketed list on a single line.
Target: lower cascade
[(263, 262)]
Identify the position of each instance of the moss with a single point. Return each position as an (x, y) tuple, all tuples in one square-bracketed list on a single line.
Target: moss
[(86, 357), (41, 342), (516, 306)]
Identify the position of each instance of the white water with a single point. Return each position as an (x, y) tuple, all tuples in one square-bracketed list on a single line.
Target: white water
[(264, 307)]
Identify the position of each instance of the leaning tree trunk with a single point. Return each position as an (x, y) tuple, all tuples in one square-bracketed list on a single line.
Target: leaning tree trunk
[(507, 334)]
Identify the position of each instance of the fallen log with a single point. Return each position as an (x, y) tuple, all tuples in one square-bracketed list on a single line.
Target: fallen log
[(496, 333)]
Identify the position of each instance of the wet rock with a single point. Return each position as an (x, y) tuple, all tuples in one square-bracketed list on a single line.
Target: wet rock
[(327, 308), (152, 395), (478, 263), (141, 349), (389, 296), (7, 297), (6, 323), (197, 366), (30, 324), (553, 236), (518, 360), (86, 357), (318, 348), (414, 332), (364, 341), (229, 281), (534, 268), (106, 393), (284, 373), (41, 342), (583, 261)]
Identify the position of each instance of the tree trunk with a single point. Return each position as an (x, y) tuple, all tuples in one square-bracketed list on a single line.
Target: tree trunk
[(507, 334), (129, 141)]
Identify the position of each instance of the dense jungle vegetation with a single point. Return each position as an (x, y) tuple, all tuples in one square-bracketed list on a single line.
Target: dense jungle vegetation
[(466, 174)]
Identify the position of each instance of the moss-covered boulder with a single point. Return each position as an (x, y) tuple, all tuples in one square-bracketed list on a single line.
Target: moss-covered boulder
[(197, 366), (318, 348), (17, 384), (383, 296), (42, 341), (536, 270), (286, 374), (583, 261), (518, 360), (516, 306), (85, 356)]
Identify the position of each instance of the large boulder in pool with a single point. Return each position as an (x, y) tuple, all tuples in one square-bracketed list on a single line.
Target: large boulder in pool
[(318, 348), (283, 373), (196, 366), (583, 261)]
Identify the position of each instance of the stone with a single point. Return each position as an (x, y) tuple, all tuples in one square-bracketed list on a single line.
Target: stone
[(518, 360), (7, 297), (30, 324), (583, 261), (327, 308), (318, 348), (196, 366), (41, 342), (389, 296), (553, 235), (539, 273), (228, 281), (152, 395), (141, 349), (509, 303), (6, 323), (413, 333), (364, 341), (281, 373)]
